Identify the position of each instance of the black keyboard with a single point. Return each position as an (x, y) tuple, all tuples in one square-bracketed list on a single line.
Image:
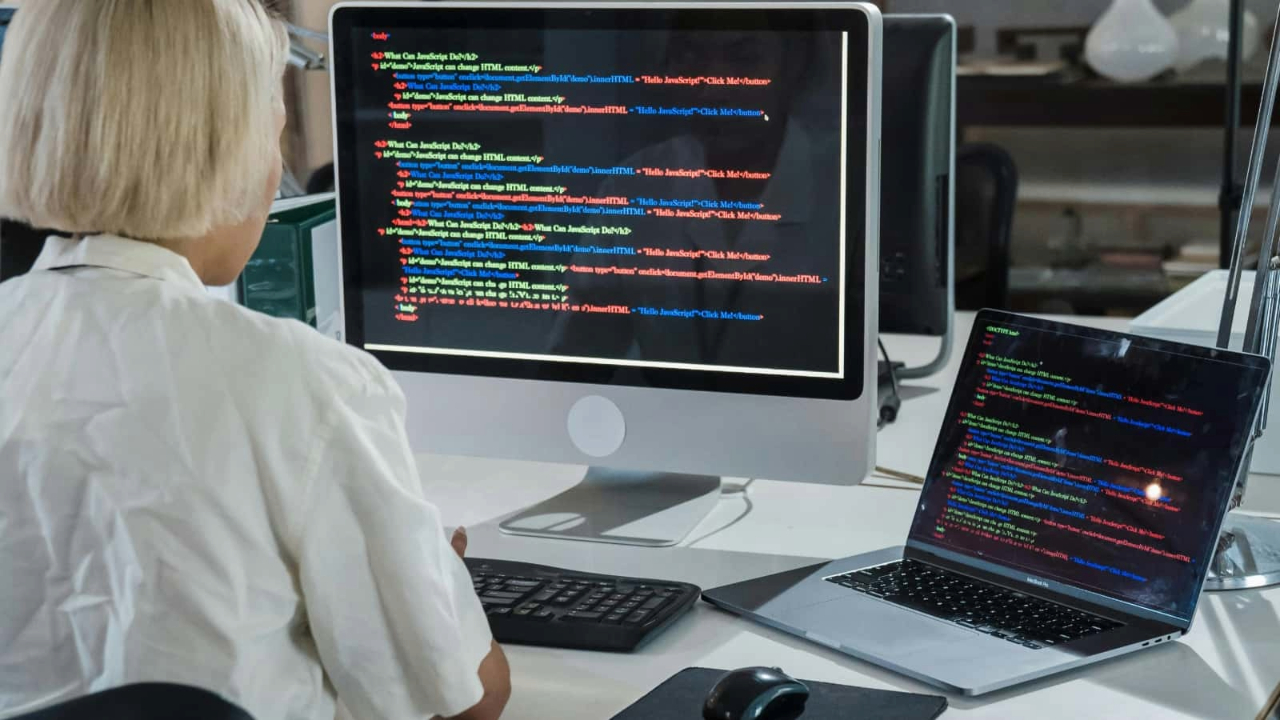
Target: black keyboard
[(539, 605), (972, 603)]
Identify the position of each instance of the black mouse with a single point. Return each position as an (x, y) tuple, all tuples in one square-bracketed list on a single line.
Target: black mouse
[(756, 693)]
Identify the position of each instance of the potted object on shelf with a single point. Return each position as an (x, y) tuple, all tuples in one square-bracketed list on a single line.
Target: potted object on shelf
[(1131, 42), (1204, 29)]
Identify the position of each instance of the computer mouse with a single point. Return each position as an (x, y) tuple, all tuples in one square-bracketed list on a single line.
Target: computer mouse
[(756, 693)]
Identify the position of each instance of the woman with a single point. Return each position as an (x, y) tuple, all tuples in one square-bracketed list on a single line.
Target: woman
[(190, 492)]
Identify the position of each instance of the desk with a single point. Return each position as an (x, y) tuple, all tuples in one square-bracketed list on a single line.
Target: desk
[(1223, 670)]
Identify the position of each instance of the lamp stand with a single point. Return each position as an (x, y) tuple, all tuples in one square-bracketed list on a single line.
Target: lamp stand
[(1248, 553)]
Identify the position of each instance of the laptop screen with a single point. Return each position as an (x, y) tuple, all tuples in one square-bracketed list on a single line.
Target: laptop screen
[(1095, 459)]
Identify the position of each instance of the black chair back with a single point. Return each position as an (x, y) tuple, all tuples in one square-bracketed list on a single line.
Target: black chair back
[(148, 701), (20, 245), (986, 194)]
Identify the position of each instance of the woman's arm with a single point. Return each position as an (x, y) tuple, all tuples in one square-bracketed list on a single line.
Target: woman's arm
[(397, 625), (495, 675)]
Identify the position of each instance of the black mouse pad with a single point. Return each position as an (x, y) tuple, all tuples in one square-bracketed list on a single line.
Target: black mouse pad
[(681, 698)]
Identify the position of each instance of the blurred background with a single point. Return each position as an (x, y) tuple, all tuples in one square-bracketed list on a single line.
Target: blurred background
[(1120, 167), (1119, 182)]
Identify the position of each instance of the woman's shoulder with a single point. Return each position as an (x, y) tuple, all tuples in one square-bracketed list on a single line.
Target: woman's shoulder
[(291, 352)]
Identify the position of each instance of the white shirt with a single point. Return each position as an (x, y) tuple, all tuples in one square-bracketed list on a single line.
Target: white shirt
[(192, 492)]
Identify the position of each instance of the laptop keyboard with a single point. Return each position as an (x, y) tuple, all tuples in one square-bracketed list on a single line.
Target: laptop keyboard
[(985, 607)]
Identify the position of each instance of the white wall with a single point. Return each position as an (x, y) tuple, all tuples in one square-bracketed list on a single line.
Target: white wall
[(315, 112)]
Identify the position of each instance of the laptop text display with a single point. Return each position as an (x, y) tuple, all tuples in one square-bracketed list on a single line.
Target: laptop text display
[(1103, 462)]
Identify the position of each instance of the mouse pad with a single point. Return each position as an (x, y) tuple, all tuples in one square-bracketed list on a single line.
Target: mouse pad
[(681, 698)]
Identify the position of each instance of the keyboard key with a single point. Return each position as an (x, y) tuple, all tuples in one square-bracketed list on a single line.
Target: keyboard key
[(1007, 614), (637, 617), (536, 605)]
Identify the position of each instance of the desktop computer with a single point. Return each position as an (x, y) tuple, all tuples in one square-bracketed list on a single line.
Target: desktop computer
[(639, 237), (917, 195)]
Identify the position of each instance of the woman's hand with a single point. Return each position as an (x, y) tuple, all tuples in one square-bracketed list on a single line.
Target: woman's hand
[(459, 542)]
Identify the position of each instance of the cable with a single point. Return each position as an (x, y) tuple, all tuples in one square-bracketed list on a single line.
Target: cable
[(893, 373), (746, 498), (899, 475), (887, 407)]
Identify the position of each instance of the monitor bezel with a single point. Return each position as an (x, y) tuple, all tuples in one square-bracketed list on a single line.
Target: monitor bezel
[(919, 546), (861, 191)]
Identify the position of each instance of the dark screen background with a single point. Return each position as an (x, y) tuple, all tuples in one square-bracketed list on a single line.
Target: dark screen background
[(1003, 450), (776, 325)]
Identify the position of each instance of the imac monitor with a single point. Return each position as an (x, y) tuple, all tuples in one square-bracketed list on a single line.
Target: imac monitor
[(916, 192), (634, 236)]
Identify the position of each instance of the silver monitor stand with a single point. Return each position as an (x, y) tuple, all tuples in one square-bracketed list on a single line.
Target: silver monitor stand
[(651, 509)]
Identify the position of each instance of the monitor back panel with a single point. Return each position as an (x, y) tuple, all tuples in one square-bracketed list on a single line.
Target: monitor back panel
[(916, 180)]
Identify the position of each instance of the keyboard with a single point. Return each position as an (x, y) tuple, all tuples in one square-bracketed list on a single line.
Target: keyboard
[(974, 604), (538, 605)]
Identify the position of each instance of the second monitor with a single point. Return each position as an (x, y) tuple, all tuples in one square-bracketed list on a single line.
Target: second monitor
[(917, 194), (636, 237)]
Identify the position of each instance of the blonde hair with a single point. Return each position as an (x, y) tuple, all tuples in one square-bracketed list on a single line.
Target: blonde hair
[(150, 119)]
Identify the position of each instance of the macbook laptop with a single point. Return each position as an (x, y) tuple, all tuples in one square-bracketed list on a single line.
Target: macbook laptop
[(1069, 514)]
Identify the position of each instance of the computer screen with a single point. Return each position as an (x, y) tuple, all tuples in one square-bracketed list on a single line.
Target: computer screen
[(1092, 458), (645, 197)]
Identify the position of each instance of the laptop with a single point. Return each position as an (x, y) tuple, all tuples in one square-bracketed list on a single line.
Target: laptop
[(1069, 515)]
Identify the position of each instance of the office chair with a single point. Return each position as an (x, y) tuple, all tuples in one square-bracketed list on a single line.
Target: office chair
[(20, 245), (149, 701), (986, 194)]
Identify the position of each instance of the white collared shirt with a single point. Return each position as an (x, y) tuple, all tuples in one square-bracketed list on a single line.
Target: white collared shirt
[(192, 492)]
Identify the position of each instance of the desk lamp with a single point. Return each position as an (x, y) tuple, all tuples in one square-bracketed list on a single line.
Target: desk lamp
[(1249, 549)]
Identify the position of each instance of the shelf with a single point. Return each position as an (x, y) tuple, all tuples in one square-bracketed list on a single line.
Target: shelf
[(1091, 102)]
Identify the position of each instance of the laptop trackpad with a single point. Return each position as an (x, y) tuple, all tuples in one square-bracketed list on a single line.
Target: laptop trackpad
[(871, 625)]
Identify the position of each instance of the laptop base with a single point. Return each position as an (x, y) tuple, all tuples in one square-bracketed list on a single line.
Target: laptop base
[(956, 659)]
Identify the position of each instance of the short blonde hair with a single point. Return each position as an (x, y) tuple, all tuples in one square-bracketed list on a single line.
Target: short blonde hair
[(150, 119)]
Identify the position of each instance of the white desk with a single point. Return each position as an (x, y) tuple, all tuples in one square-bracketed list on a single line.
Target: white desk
[(1224, 669)]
